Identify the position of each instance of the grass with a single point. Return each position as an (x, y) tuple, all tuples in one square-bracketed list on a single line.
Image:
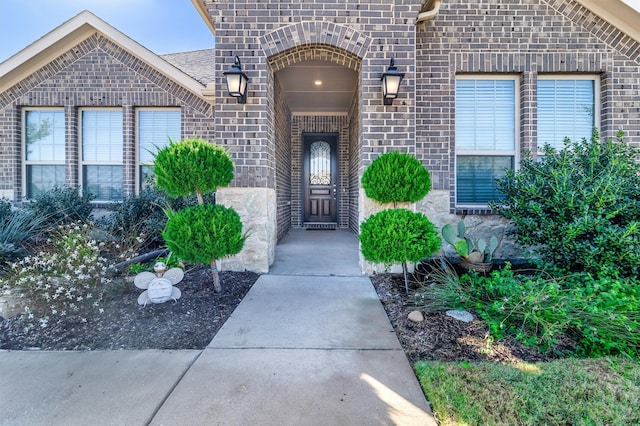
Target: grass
[(603, 391)]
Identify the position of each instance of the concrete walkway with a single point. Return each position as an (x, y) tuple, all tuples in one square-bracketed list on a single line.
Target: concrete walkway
[(310, 344)]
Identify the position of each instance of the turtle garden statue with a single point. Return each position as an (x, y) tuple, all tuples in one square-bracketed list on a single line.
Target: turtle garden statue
[(159, 287)]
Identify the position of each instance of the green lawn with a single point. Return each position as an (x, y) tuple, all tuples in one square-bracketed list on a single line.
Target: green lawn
[(603, 391)]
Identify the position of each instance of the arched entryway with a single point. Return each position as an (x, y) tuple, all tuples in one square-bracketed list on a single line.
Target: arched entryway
[(316, 126)]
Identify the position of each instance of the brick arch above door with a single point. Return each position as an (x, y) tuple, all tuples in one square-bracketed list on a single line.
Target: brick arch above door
[(315, 40)]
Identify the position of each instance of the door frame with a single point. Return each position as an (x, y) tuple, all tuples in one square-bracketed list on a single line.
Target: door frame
[(333, 138)]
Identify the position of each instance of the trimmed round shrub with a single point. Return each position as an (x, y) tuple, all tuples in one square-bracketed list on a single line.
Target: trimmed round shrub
[(398, 236), (579, 206), (395, 177), (192, 166), (202, 233)]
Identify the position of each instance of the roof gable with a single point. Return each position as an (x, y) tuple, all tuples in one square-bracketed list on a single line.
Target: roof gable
[(71, 33)]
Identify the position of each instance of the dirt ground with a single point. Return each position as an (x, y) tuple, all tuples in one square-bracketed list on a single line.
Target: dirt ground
[(441, 337), (189, 323), (193, 321)]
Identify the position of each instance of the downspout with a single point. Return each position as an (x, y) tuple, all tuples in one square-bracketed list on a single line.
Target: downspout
[(427, 15)]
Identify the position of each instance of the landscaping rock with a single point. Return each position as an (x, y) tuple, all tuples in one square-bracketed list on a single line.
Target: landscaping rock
[(415, 316), (463, 316)]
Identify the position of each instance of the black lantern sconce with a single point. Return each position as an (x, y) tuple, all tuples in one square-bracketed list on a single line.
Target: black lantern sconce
[(237, 82), (391, 83)]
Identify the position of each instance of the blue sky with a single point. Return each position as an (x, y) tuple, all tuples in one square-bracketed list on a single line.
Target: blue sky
[(162, 26)]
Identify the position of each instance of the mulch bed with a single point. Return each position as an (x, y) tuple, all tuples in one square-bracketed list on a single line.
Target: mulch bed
[(193, 321), (189, 323), (443, 338)]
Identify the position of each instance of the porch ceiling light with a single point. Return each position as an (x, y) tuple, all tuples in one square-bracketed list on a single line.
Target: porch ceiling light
[(391, 83), (237, 82)]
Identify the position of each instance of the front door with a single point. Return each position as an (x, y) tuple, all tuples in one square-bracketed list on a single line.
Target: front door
[(320, 177)]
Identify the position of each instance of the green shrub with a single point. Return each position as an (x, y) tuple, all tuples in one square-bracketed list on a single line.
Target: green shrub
[(579, 206), (62, 205), (601, 315), (395, 177), (136, 216), (204, 233), (398, 236), (192, 166), (195, 166)]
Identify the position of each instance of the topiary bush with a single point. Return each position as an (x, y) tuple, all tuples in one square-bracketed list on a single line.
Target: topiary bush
[(192, 166), (397, 235), (62, 205), (579, 207), (396, 177), (200, 233), (198, 167)]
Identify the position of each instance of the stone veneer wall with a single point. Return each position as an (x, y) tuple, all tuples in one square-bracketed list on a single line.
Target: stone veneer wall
[(95, 73), (257, 210), (320, 124), (283, 161)]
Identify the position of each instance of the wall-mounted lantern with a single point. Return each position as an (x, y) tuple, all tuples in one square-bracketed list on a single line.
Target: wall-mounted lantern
[(391, 83), (237, 82)]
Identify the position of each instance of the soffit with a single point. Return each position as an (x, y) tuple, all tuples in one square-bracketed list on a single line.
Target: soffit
[(334, 95), (617, 13)]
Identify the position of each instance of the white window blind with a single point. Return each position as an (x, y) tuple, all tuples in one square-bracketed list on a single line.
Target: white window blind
[(485, 137), (44, 150), (102, 147), (155, 128), (566, 109)]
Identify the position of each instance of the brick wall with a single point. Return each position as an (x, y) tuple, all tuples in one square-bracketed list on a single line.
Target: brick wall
[(362, 35), (526, 38), (95, 73), (354, 166), (283, 162)]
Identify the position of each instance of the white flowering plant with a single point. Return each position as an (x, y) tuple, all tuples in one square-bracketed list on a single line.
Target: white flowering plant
[(67, 277)]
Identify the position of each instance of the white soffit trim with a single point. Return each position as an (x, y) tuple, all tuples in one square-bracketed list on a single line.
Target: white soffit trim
[(204, 13), (74, 31), (617, 13)]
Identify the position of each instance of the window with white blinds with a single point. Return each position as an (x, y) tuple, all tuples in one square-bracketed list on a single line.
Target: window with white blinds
[(44, 150), (156, 127), (102, 153), (566, 109), (485, 138)]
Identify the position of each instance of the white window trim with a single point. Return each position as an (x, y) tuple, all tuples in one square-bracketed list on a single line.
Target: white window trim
[(83, 163), (139, 163), (23, 157), (596, 78), (515, 153)]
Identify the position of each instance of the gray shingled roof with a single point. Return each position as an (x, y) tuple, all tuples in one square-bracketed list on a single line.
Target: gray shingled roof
[(198, 64)]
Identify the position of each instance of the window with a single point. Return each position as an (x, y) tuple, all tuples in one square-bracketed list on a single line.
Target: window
[(44, 148), (102, 142), (485, 140), (155, 128), (566, 109)]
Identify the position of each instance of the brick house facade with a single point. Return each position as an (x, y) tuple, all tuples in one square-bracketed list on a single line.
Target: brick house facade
[(525, 53)]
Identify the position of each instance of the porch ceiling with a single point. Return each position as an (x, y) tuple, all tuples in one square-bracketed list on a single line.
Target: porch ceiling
[(334, 95)]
